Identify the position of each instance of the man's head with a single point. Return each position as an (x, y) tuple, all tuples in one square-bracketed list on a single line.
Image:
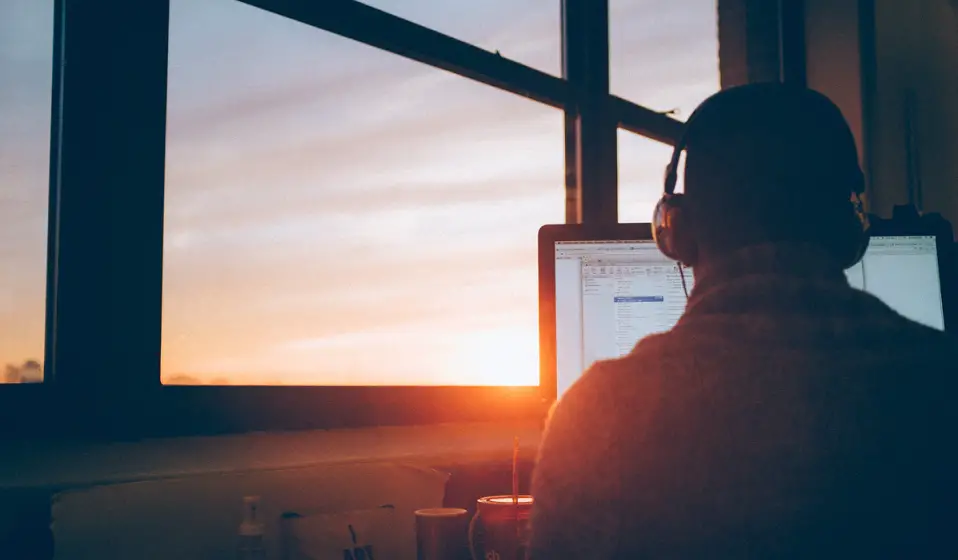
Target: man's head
[(767, 163)]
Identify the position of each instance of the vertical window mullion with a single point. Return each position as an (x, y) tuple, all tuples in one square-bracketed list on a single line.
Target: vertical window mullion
[(107, 217), (591, 142)]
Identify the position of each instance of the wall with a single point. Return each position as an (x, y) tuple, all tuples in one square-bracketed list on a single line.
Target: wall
[(749, 41), (913, 48), (833, 62), (916, 49)]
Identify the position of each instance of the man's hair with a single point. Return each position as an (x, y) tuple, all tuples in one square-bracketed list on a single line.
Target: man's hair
[(769, 162)]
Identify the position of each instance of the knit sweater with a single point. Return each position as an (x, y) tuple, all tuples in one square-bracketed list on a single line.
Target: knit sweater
[(786, 415)]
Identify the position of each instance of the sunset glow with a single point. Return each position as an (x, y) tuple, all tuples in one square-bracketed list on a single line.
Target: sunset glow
[(336, 214), (503, 356)]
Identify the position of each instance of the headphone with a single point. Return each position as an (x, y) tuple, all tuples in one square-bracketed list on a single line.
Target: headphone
[(669, 216)]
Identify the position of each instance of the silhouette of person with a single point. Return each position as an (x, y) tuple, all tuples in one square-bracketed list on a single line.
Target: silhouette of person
[(786, 414)]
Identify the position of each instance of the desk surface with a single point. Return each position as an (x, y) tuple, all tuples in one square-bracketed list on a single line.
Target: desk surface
[(66, 465)]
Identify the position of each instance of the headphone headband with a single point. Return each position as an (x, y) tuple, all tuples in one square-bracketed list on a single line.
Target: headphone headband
[(681, 143), (672, 169)]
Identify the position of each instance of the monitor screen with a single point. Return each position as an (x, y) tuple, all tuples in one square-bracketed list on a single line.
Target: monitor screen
[(610, 294), (903, 272)]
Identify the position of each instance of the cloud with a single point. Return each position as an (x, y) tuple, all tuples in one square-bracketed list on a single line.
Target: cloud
[(500, 148), (664, 54), (430, 270)]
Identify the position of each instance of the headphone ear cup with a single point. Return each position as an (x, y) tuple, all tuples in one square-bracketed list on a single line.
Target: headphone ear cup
[(665, 221), (858, 235), (661, 231)]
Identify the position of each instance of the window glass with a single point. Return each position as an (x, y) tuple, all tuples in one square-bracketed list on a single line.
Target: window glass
[(664, 54), (26, 73), (339, 215), (642, 165), (527, 31)]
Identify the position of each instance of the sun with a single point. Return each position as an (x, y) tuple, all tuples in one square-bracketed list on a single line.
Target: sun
[(503, 356)]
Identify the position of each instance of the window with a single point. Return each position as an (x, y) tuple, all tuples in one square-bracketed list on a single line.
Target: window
[(664, 54), (330, 214), (338, 215), (527, 31), (641, 171), (26, 70)]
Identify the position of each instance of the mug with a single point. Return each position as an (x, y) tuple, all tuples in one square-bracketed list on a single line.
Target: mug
[(500, 528), (441, 534)]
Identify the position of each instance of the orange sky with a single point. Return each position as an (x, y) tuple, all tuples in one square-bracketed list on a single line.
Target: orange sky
[(337, 214)]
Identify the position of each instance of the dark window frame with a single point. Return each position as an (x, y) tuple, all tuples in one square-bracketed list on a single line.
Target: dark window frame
[(105, 243)]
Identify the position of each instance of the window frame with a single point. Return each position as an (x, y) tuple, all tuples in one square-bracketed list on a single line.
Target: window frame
[(105, 243)]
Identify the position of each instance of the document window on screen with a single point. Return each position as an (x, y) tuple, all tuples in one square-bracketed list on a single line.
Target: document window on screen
[(610, 295)]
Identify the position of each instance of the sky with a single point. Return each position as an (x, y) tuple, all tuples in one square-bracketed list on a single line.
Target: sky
[(340, 215)]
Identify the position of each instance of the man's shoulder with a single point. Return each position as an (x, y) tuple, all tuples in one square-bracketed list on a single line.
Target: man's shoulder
[(641, 361), (934, 347), (900, 331), (621, 379)]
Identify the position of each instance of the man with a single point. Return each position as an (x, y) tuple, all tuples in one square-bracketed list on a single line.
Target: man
[(786, 414)]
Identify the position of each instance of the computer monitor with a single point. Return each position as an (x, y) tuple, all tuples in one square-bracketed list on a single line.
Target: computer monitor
[(604, 289), (601, 290)]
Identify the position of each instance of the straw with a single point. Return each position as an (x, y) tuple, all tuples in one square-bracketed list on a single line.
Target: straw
[(515, 484), (515, 472)]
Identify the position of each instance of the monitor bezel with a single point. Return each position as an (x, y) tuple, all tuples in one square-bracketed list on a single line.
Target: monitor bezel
[(549, 235)]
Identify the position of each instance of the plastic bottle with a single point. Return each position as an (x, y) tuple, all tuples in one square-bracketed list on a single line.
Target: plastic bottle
[(251, 543)]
